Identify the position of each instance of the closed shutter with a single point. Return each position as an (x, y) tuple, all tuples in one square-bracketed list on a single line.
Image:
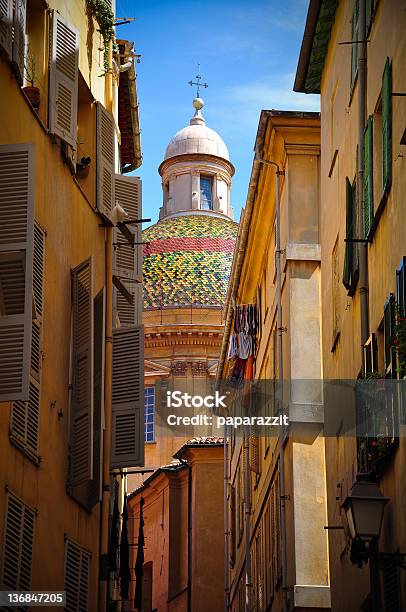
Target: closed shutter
[(369, 8), (105, 160), (351, 250), (354, 37), (233, 525), (63, 87), (95, 485), (6, 20), (16, 256), (368, 203), (20, 13), (77, 571), (81, 415), (128, 254), (387, 125), (18, 544), (254, 453), (127, 446)]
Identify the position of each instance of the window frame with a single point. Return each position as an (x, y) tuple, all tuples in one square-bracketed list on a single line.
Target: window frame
[(209, 179), (147, 389)]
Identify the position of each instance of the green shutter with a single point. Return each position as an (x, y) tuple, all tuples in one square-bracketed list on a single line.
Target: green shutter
[(354, 37), (348, 251), (368, 203), (387, 125)]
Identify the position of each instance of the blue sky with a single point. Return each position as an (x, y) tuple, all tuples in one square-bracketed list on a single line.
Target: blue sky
[(248, 51)]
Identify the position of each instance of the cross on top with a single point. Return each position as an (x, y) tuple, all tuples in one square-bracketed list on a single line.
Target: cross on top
[(198, 83)]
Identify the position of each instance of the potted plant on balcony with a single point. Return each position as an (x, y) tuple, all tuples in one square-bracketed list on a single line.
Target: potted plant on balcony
[(31, 91)]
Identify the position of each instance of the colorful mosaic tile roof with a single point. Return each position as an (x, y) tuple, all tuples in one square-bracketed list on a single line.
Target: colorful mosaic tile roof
[(188, 261)]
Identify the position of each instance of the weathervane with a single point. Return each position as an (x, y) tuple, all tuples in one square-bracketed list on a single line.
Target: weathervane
[(198, 83)]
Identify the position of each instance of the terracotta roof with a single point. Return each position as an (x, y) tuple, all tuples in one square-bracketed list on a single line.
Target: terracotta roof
[(204, 440)]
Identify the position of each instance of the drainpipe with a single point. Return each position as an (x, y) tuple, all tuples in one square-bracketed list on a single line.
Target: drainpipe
[(282, 436), (247, 507), (226, 533), (363, 246)]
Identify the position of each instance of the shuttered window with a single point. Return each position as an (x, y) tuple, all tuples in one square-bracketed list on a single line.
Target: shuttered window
[(105, 141), (387, 126), (254, 452), (81, 409), (127, 260), (63, 80), (127, 446), (77, 572), (368, 199), (392, 586), (401, 287), (24, 426), (19, 26), (6, 20), (18, 545), (350, 273), (388, 331), (233, 525), (16, 256)]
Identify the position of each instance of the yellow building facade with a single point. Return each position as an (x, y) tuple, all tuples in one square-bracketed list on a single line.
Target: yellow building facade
[(68, 415), (362, 85), (276, 493)]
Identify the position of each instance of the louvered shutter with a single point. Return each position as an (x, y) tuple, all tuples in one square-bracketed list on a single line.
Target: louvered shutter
[(128, 253), (369, 7), (368, 203), (6, 19), (20, 13), (387, 125), (63, 86), (18, 544), (77, 572), (95, 485), (16, 255), (233, 523), (401, 287), (254, 452), (127, 446), (105, 128), (81, 416), (348, 250), (392, 586)]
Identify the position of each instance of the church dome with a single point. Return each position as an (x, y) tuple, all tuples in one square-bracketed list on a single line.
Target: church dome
[(197, 138), (188, 261)]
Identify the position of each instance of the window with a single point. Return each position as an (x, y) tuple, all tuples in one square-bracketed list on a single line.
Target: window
[(18, 543), (149, 409), (206, 198), (350, 274), (368, 199), (77, 571), (387, 126)]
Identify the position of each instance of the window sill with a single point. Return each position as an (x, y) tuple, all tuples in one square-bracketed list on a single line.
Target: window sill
[(21, 445), (149, 442)]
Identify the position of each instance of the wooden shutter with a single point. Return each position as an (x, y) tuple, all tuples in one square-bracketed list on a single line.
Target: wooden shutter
[(233, 526), (387, 125), (20, 13), (128, 253), (16, 256), (254, 452), (392, 586), (95, 485), (368, 203), (63, 87), (348, 251), (6, 20), (105, 128), (354, 37), (77, 571), (127, 447), (81, 415), (18, 543)]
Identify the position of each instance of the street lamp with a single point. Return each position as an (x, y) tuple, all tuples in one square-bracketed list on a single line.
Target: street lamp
[(364, 509)]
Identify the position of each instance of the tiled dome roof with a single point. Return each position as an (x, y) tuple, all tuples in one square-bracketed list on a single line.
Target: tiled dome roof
[(188, 261)]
